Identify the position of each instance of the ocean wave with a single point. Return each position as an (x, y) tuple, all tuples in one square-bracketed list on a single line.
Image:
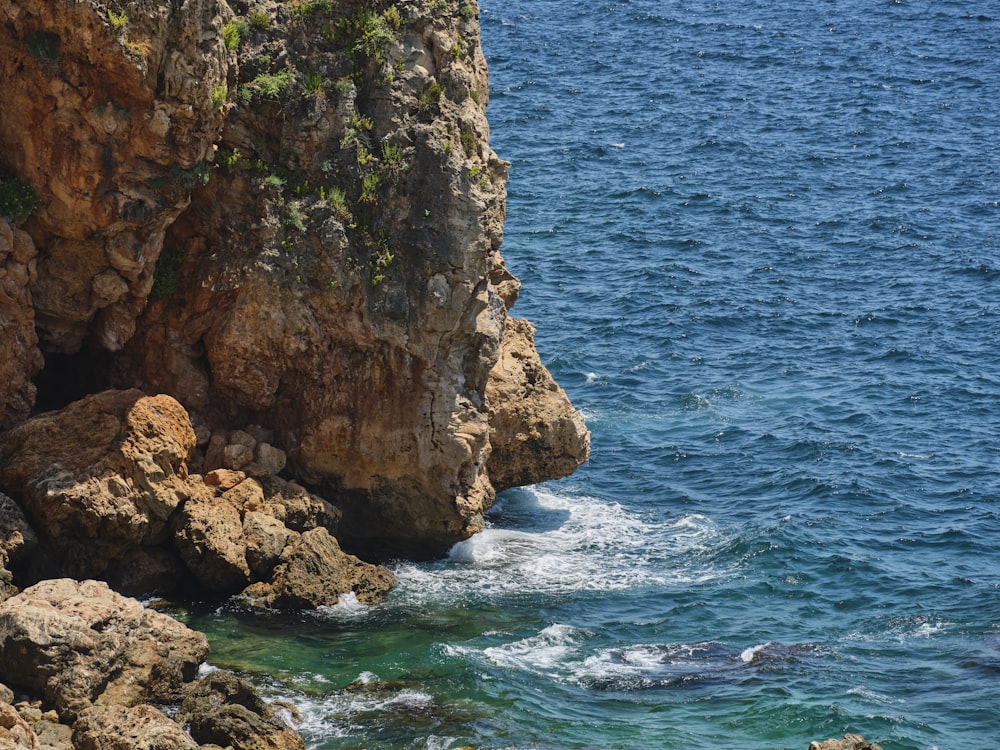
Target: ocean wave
[(547, 543)]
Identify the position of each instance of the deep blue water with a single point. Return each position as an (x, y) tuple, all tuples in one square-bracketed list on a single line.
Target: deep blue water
[(759, 240)]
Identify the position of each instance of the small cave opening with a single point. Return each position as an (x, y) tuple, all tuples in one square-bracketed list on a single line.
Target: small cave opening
[(69, 377)]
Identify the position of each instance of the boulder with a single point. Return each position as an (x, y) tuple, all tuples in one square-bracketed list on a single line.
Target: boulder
[(209, 537), (139, 727), (226, 710), (79, 644), (535, 433), (313, 571), (100, 477), (15, 732)]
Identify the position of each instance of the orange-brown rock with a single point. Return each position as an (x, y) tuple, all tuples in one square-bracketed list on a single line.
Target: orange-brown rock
[(99, 478), (313, 571), (21, 358), (109, 114), (535, 433), (282, 228)]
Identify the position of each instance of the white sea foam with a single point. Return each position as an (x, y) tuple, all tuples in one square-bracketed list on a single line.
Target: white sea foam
[(749, 654), (545, 653), (557, 544)]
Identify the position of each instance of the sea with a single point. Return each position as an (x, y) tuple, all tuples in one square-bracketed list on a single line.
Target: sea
[(760, 243)]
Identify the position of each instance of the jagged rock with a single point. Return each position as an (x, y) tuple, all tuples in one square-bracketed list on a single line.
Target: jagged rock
[(297, 508), (53, 735), (535, 432), (225, 710), (136, 103), (140, 727), (314, 572), (100, 477), (264, 537), (849, 742), (18, 340), (17, 538), (209, 537), (15, 732), (365, 343), (79, 644)]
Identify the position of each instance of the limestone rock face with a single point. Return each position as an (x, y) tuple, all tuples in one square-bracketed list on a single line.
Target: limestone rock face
[(101, 477), (81, 644), (22, 358), (109, 115), (292, 223), (535, 432)]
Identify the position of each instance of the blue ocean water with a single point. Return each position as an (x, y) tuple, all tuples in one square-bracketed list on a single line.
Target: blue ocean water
[(759, 240)]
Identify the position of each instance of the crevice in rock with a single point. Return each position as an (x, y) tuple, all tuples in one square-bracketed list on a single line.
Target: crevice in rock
[(69, 377)]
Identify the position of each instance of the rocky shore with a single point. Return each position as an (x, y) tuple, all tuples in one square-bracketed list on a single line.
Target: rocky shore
[(257, 339)]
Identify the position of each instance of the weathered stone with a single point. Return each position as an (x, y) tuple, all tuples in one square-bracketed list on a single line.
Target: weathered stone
[(17, 538), (100, 477), (15, 732), (81, 644), (52, 735), (315, 572), (140, 727), (268, 461), (849, 742), (265, 538), (297, 508), (226, 710), (208, 535), (137, 106), (18, 340), (224, 479), (535, 433)]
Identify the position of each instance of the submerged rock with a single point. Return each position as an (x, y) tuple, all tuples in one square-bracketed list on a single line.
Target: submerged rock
[(849, 742)]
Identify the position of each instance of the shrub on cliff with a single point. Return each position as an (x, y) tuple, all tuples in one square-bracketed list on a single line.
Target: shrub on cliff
[(18, 200)]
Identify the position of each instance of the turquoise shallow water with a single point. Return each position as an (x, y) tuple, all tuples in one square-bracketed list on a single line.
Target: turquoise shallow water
[(760, 244)]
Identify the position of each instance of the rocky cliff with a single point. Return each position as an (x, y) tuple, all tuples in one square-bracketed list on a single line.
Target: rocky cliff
[(252, 313), (285, 216)]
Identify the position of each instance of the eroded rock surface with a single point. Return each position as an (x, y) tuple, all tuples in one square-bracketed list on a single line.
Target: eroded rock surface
[(535, 433), (105, 483), (290, 220), (849, 742), (79, 644)]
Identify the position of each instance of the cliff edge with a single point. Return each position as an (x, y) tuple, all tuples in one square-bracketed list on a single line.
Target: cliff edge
[(287, 217)]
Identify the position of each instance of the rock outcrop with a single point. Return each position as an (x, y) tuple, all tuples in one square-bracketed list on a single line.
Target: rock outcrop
[(290, 219), (105, 663), (533, 436), (79, 644), (105, 483)]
